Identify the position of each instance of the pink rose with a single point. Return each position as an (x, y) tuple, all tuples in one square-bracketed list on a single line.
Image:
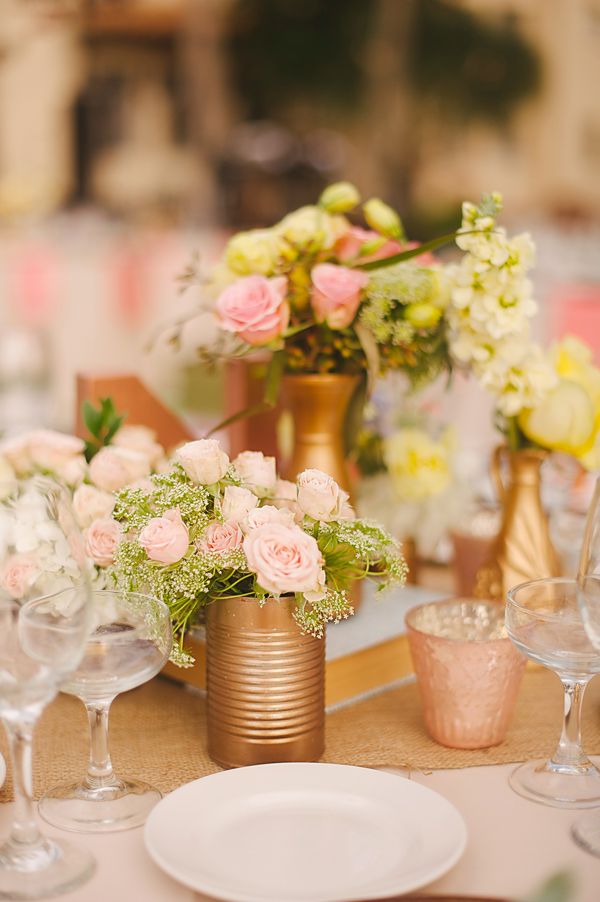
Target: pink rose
[(101, 541), (320, 497), (90, 503), (113, 468), (16, 452), (268, 514), (255, 308), (141, 439), (348, 247), (284, 559), (203, 461), (51, 450), (221, 537), (18, 574), (236, 503), (256, 471), (165, 539), (336, 293)]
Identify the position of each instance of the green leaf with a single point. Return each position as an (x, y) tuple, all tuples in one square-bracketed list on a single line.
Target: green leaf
[(113, 428), (92, 418), (415, 251), (273, 378)]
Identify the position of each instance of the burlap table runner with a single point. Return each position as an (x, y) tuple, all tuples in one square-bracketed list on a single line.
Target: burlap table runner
[(158, 733)]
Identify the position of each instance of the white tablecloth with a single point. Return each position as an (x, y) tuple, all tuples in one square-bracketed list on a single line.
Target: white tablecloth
[(513, 846)]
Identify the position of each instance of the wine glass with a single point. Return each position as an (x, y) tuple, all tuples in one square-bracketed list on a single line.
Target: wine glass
[(44, 624), (544, 622), (586, 831), (130, 643)]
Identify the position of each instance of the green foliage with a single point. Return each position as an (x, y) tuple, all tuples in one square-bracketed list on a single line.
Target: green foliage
[(470, 65), (283, 51), (102, 422), (559, 888)]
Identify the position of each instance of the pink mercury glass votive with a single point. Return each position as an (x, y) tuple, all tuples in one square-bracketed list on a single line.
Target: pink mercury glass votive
[(468, 671)]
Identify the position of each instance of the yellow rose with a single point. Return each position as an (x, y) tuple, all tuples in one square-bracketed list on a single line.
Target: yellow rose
[(422, 316), (383, 218), (573, 360), (312, 226), (564, 421), (339, 197), (419, 467), (252, 252)]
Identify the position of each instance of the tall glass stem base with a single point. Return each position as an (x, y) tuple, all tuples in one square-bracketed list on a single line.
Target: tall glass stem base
[(101, 803), (31, 865), (569, 779)]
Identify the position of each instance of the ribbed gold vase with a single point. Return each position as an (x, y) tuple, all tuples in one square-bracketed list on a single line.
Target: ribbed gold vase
[(265, 684), (318, 404), (523, 549)]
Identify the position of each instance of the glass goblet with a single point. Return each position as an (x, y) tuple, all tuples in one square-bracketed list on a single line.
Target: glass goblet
[(129, 645), (586, 830), (544, 622), (44, 624)]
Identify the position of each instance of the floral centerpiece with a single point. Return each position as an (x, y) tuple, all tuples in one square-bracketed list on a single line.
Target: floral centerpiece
[(209, 529)]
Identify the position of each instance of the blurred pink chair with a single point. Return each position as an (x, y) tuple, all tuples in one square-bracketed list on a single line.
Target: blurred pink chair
[(575, 310)]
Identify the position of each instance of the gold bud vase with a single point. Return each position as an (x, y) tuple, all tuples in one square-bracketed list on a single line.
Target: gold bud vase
[(523, 549), (318, 404), (265, 683)]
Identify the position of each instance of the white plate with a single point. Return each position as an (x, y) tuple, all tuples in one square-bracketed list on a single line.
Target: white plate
[(304, 833)]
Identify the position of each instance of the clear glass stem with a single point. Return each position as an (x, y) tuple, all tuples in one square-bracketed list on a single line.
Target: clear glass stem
[(100, 770), (24, 834), (569, 752)]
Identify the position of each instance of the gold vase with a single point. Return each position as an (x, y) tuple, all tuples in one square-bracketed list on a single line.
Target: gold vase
[(265, 684), (523, 549), (318, 404)]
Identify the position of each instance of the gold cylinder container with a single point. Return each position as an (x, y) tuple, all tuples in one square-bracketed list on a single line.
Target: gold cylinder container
[(523, 549), (318, 404), (265, 684)]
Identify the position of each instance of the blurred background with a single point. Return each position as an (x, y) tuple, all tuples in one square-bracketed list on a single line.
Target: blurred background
[(134, 134)]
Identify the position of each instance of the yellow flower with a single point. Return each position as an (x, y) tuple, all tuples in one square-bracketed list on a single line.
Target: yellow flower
[(563, 421), (422, 316), (341, 197), (419, 466), (252, 252), (383, 218), (312, 227), (573, 360)]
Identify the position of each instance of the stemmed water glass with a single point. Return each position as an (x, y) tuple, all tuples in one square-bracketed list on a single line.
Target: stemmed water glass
[(130, 643), (44, 624), (544, 621), (586, 831)]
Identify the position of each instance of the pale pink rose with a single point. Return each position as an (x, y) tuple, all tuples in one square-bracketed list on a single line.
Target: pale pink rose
[(18, 574), (319, 496), (90, 503), (101, 541), (267, 514), (237, 502), (203, 461), (255, 308), (336, 293), (221, 537), (348, 247), (165, 539), (256, 471), (285, 494), (51, 450), (113, 468), (141, 439), (284, 559), (16, 452), (347, 512), (72, 471)]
